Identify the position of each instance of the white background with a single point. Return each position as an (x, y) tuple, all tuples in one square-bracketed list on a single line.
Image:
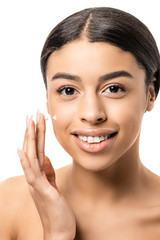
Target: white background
[(24, 26)]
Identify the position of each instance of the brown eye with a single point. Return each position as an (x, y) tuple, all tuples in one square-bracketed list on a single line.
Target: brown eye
[(114, 89), (67, 91)]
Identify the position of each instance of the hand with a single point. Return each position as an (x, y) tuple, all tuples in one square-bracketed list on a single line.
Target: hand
[(57, 218)]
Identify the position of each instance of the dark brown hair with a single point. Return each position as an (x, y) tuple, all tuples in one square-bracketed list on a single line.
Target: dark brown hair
[(107, 25)]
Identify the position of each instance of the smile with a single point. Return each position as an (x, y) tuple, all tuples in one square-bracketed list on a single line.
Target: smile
[(96, 139), (95, 143)]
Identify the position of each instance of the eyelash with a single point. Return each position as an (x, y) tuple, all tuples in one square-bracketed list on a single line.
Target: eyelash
[(117, 87), (60, 90)]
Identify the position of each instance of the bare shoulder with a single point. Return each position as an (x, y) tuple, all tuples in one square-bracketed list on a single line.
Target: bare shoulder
[(152, 184), (13, 192), (13, 182), (19, 218), (148, 210), (13, 189), (14, 196)]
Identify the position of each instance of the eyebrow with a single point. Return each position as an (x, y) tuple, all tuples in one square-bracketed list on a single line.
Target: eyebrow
[(112, 75), (108, 76)]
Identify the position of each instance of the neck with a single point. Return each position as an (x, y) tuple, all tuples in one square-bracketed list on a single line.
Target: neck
[(120, 180)]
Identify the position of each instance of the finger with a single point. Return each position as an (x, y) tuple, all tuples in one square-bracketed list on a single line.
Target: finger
[(38, 181), (25, 163), (31, 140), (30, 174), (31, 146), (25, 136), (40, 137), (25, 142)]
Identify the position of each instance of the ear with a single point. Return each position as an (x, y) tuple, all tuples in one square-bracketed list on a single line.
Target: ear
[(151, 96)]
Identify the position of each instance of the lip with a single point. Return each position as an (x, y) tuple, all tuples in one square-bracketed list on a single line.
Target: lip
[(95, 147), (93, 132)]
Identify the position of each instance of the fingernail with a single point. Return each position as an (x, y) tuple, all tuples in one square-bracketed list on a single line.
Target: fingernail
[(19, 153), (38, 116)]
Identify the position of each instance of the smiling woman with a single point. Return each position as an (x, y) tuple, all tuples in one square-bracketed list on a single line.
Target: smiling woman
[(103, 102), (101, 70)]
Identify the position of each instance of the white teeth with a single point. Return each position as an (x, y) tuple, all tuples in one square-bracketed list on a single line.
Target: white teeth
[(85, 139), (101, 138), (91, 139), (96, 139), (81, 137)]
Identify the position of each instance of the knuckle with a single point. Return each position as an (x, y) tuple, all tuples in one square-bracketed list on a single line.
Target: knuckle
[(41, 154), (31, 180), (31, 136), (48, 193), (40, 129)]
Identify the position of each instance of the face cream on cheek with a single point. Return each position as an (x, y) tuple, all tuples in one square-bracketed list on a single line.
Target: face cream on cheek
[(54, 117)]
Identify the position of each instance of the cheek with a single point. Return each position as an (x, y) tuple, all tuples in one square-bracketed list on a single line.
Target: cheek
[(128, 116), (64, 116)]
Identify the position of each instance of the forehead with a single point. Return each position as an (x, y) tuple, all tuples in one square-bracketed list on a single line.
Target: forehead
[(82, 57)]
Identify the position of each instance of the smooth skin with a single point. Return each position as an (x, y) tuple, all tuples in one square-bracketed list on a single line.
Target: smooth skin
[(103, 195)]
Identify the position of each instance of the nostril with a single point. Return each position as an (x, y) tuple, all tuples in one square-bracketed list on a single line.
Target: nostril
[(94, 119), (99, 119)]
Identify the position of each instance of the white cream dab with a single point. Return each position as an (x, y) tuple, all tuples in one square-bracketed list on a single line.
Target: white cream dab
[(54, 117)]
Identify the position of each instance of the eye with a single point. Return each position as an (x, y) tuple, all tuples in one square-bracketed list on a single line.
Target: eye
[(114, 89), (67, 91)]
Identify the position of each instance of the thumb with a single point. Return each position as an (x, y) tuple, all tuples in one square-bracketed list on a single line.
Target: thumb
[(49, 171)]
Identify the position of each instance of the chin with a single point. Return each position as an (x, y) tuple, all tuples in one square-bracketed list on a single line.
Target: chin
[(94, 163)]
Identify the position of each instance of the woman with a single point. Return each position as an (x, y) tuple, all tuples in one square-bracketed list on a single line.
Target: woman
[(101, 71)]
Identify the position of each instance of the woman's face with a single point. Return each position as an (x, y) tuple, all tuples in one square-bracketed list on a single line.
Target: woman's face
[(98, 94)]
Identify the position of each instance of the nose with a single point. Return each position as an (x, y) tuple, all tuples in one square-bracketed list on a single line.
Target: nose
[(92, 110)]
